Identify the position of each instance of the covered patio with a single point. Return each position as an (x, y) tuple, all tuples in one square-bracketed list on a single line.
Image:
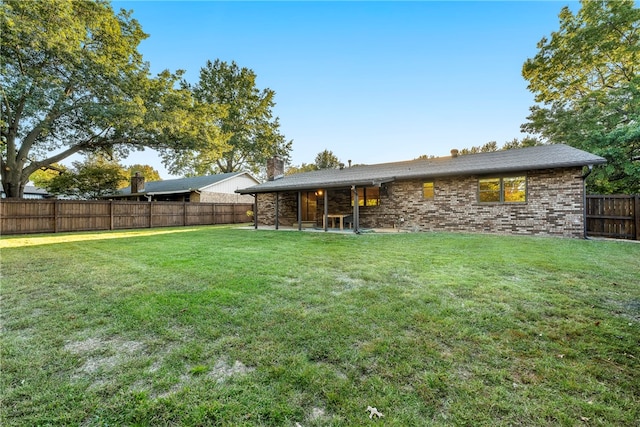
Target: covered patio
[(325, 209)]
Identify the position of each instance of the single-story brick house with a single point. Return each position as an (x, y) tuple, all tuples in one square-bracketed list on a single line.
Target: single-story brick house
[(534, 191), (219, 188)]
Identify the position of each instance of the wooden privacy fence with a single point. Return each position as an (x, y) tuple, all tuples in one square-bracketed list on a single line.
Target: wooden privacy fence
[(54, 216), (616, 217)]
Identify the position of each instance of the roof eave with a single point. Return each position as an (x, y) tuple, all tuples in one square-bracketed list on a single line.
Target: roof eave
[(498, 169), (381, 180), (161, 193), (317, 186)]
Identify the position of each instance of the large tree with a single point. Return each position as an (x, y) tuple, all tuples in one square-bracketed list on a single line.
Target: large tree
[(147, 171), (72, 81), (527, 141), (486, 148), (304, 167), (327, 160), (585, 80), (94, 177), (324, 160), (248, 133)]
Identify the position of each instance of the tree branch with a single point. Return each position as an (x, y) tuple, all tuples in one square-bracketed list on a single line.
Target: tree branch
[(54, 113), (34, 166)]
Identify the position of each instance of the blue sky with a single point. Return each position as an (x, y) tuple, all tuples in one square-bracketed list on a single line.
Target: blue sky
[(371, 81)]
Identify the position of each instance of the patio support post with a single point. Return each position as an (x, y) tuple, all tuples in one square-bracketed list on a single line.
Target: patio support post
[(326, 210), (356, 210), (299, 211), (255, 211), (277, 210)]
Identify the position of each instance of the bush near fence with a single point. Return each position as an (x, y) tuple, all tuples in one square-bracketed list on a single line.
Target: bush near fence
[(54, 216)]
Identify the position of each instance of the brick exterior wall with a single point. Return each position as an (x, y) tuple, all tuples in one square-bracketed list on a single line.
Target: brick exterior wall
[(287, 205), (554, 206)]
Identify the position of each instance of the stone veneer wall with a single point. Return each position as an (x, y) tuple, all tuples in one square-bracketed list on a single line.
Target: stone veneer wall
[(554, 206)]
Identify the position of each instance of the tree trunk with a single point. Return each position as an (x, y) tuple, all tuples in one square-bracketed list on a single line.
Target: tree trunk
[(13, 186), (229, 166), (11, 168)]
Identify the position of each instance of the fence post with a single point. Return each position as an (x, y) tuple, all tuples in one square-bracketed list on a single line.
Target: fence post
[(184, 214), (151, 214), (213, 213), (110, 214), (55, 216)]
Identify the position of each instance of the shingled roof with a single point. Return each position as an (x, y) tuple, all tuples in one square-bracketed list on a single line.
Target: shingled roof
[(182, 185), (506, 161)]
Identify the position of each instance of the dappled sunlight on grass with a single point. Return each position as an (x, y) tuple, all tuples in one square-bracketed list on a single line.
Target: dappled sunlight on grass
[(50, 239)]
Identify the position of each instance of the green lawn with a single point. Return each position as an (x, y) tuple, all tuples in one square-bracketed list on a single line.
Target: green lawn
[(222, 326)]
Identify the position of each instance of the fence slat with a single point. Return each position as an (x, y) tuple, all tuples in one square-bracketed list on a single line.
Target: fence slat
[(47, 216), (614, 216)]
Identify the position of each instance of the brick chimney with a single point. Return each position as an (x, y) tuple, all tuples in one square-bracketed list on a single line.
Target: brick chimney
[(275, 168), (455, 152), (137, 183)]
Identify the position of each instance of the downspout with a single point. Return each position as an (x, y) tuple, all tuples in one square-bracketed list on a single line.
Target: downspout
[(584, 201)]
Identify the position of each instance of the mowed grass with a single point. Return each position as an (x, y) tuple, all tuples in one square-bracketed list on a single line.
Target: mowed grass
[(222, 326)]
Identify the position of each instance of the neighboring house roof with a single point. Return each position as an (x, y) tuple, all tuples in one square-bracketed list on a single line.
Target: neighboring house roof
[(31, 192), (185, 185), (505, 161), (30, 189)]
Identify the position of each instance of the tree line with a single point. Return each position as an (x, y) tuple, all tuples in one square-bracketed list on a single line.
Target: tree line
[(93, 177), (73, 82)]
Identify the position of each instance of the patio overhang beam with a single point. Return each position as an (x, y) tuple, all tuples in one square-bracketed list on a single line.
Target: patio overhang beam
[(323, 185)]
